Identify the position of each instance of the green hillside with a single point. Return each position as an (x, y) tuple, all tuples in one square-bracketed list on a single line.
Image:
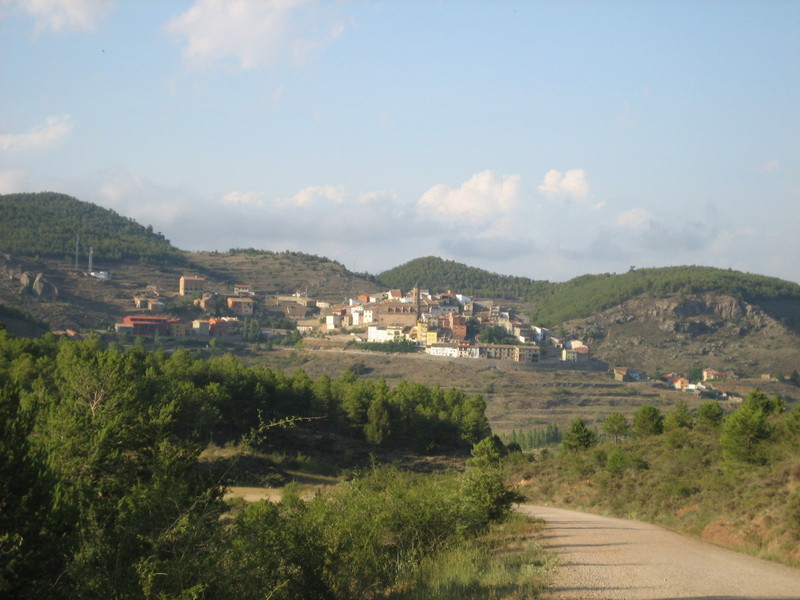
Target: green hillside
[(46, 224), (586, 295), (440, 275), (589, 294)]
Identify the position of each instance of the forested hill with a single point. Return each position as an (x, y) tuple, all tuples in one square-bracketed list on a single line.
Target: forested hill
[(440, 275), (583, 296), (589, 294), (46, 224)]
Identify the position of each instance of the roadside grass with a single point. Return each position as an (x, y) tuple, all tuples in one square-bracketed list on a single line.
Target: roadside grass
[(507, 562)]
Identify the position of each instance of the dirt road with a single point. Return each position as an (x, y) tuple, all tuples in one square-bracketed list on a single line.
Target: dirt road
[(612, 559)]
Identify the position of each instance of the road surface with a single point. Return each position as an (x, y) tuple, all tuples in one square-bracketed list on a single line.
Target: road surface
[(613, 559)]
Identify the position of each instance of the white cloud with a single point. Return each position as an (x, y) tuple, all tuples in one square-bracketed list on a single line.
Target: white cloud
[(636, 218), (484, 196), (313, 195), (70, 15), (11, 181), (139, 198), (572, 184), (772, 166), (55, 130), (238, 197), (254, 33)]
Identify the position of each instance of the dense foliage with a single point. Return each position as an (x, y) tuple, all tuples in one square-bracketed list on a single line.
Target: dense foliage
[(440, 275), (733, 479), (47, 223), (102, 495)]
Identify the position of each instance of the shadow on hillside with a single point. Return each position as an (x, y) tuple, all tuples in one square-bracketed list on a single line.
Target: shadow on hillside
[(785, 312)]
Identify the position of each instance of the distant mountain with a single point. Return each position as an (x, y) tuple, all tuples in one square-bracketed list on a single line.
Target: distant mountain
[(440, 275), (650, 318), (47, 224)]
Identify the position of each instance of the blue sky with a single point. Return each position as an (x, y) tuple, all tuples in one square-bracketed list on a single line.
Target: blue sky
[(538, 138)]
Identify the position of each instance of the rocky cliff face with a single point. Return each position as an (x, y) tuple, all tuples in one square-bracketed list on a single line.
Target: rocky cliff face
[(693, 315), (685, 331)]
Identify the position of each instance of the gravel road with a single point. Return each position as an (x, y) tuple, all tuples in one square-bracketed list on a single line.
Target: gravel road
[(612, 559)]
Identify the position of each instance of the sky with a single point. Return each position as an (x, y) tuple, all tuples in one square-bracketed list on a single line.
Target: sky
[(546, 139)]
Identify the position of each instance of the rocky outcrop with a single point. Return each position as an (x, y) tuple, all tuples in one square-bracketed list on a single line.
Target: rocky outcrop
[(724, 307), (37, 286)]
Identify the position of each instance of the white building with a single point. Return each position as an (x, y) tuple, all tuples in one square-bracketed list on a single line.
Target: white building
[(541, 333), (449, 350), (391, 333)]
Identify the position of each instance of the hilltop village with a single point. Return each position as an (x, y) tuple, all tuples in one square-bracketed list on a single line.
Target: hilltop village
[(448, 324)]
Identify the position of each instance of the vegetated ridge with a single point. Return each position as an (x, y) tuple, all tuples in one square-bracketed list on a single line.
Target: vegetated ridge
[(440, 275), (48, 224), (589, 294), (38, 234)]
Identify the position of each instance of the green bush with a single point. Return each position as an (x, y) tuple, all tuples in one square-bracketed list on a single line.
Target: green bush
[(647, 421), (709, 415), (578, 436), (743, 433)]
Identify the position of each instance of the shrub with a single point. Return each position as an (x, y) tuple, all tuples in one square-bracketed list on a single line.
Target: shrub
[(743, 433), (616, 462), (678, 417), (709, 415), (616, 425), (647, 420), (578, 437)]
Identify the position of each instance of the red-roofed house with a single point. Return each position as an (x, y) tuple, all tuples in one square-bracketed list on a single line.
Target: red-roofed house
[(145, 325)]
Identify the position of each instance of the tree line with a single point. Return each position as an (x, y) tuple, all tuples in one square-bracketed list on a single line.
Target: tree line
[(102, 495), (541, 437)]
